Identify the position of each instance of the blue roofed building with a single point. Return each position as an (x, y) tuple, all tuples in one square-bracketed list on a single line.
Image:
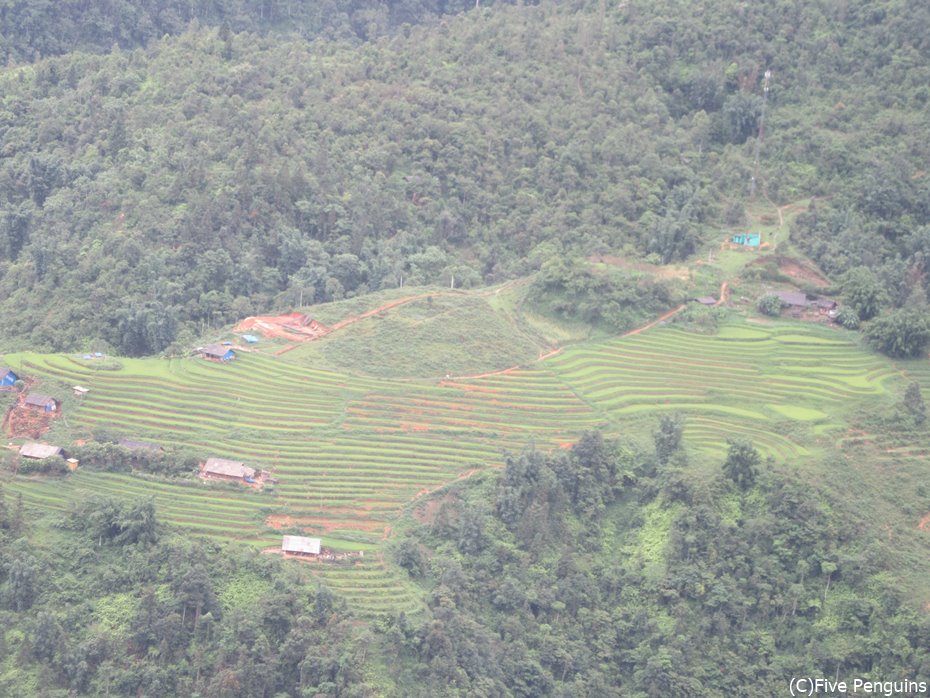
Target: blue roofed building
[(7, 377), (217, 352), (250, 338), (747, 239)]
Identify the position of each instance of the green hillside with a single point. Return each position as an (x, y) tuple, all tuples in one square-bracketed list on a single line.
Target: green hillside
[(179, 184), (590, 337), (351, 451)]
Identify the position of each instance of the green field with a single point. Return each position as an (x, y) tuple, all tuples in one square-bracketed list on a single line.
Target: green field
[(351, 451)]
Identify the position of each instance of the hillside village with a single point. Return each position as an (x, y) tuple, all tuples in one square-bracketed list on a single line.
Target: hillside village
[(382, 349)]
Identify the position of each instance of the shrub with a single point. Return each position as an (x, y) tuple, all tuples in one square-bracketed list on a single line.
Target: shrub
[(904, 333), (848, 318), (770, 305)]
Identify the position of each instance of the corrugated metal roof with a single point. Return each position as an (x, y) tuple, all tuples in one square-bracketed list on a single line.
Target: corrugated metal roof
[(214, 350), (40, 451), (299, 544), (795, 298), (39, 400), (4, 370), (229, 468)]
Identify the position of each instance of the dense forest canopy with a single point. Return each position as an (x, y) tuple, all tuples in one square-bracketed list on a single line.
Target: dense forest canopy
[(152, 191), (30, 29)]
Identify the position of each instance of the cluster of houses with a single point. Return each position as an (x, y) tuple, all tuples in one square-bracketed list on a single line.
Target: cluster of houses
[(797, 302)]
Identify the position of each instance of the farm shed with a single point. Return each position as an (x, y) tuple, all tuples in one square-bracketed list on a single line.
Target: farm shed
[(250, 338), (705, 300), (796, 299), (224, 469), (41, 402), (40, 451), (300, 545), (7, 377), (80, 391), (140, 445), (746, 239), (217, 352)]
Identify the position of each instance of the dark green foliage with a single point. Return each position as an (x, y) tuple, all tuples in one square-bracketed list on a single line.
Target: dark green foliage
[(104, 453), (668, 437), (409, 557), (739, 117), (787, 582), (848, 318), (153, 192), (44, 466), (914, 403), (864, 293), (166, 617), (742, 463), (534, 488), (37, 28), (618, 300), (769, 305), (903, 333), (115, 522)]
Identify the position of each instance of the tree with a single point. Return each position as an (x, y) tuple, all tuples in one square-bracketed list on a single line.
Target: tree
[(863, 292), (740, 117), (769, 305), (742, 463), (668, 437), (914, 403), (903, 334), (848, 318)]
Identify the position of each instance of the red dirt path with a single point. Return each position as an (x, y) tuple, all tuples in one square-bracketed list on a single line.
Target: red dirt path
[(662, 318)]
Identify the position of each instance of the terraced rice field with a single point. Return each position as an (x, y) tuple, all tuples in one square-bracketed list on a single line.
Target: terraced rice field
[(780, 385), (350, 452)]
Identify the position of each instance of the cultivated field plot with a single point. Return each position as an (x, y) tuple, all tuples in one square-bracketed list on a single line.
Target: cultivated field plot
[(349, 452), (782, 385)]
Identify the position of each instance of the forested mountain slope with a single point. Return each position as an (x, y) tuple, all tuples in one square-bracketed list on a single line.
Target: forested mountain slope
[(213, 174), (34, 28)]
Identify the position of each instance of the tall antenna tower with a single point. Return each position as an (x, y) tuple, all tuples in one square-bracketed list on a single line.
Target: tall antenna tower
[(755, 164)]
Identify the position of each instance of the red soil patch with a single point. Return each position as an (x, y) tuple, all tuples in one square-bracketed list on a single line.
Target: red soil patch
[(924, 523), (796, 269), (27, 422), (663, 272), (566, 444), (426, 513), (292, 326)]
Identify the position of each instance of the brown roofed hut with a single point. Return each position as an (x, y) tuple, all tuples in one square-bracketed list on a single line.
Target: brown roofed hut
[(38, 401), (41, 451), (223, 469)]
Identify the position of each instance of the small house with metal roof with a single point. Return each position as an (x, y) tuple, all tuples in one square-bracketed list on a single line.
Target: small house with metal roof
[(300, 545), (224, 469), (37, 401), (7, 377), (41, 451), (217, 352)]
